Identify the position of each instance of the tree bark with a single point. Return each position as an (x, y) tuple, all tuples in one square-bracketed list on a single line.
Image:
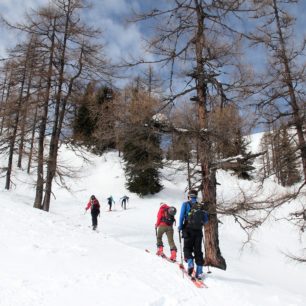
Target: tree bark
[(52, 158), (23, 120), (12, 138), (43, 125), (32, 140), (297, 116), (213, 255), (2, 101)]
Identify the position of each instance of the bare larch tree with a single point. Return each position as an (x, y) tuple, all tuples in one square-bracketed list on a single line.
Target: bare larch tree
[(194, 40)]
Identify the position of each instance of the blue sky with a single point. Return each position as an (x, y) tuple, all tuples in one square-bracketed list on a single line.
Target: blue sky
[(120, 37), (109, 15)]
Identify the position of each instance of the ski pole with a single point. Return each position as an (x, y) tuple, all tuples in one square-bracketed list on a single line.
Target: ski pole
[(208, 272), (181, 264)]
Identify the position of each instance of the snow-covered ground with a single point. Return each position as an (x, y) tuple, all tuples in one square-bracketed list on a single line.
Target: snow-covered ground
[(55, 259)]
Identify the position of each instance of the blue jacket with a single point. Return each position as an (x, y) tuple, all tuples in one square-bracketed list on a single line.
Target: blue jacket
[(185, 209)]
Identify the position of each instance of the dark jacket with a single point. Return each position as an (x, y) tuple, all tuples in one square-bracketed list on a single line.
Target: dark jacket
[(185, 209)]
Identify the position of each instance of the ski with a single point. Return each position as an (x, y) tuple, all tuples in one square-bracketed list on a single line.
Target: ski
[(198, 283), (163, 256), (167, 258)]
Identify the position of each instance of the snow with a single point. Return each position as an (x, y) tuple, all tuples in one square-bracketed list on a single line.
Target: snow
[(55, 258)]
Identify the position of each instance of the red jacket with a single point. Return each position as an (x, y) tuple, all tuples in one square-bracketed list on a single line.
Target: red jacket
[(95, 204), (160, 214)]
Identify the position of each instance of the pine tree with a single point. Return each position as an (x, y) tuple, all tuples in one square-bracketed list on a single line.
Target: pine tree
[(140, 142), (95, 120), (104, 112), (229, 142), (142, 154), (288, 172), (280, 158), (84, 124)]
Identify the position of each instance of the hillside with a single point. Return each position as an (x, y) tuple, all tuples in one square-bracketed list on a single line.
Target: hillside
[(55, 259)]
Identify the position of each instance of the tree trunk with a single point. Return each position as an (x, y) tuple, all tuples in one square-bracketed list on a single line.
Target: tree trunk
[(54, 142), (297, 113), (42, 127), (2, 102), (23, 122), (188, 174), (15, 129), (213, 255), (5, 103), (32, 140)]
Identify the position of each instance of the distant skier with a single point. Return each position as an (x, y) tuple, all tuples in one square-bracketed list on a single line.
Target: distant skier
[(110, 202), (164, 225), (124, 200), (192, 218), (94, 206)]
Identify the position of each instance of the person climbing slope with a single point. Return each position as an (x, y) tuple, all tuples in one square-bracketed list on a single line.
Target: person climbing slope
[(124, 200), (192, 219), (164, 225), (94, 207), (110, 202)]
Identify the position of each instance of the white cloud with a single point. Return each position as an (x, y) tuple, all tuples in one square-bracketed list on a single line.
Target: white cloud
[(120, 38)]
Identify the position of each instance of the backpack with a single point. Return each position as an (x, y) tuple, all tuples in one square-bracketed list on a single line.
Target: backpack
[(166, 217), (195, 217), (95, 205)]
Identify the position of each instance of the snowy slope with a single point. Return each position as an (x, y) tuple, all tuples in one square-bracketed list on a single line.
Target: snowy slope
[(55, 258)]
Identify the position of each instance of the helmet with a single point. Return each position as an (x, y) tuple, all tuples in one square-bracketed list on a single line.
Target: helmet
[(92, 197), (193, 193), (172, 211)]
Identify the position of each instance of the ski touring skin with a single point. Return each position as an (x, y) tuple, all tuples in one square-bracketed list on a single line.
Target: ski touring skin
[(198, 283)]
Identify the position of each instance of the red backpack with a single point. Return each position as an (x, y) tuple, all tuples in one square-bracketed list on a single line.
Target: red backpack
[(95, 204), (168, 214)]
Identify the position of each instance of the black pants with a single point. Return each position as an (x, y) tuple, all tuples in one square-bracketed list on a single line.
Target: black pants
[(123, 204), (193, 245), (94, 216)]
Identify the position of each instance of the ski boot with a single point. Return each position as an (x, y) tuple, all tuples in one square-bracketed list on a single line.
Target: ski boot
[(173, 255), (190, 266), (199, 273), (160, 251)]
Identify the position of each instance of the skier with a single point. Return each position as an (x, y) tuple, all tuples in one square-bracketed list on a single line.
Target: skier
[(191, 221), (124, 199), (110, 202), (164, 225), (94, 206)]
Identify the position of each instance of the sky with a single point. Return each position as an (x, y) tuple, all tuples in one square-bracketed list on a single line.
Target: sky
[(55, 258), (108, 15), (122, 38)]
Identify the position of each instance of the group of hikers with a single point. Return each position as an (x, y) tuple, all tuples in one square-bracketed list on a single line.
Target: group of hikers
[(192, 218), (94, 207)]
